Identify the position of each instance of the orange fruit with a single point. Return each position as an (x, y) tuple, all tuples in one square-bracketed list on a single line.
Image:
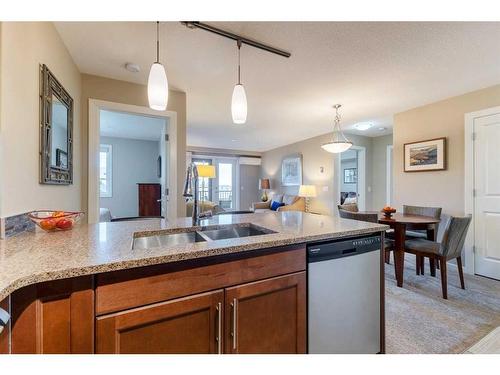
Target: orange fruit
[(58, 214), (48, 224)]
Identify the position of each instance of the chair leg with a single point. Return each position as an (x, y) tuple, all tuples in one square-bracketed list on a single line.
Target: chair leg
[(432, 264), (388, 257), (460, 272), (444, 277), (417, 264), (422, 263)]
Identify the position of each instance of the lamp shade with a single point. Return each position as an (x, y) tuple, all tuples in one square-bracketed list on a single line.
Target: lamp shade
[(157, 87), (264, 184), (307, 191), (336, 147), (206, 171), (239, 105)]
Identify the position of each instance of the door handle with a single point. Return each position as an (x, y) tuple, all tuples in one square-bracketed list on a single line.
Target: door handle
[(218, 337), (234, 306)]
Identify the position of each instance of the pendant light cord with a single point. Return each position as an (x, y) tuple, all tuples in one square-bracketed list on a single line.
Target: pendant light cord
[(239, 69), (157, 41)]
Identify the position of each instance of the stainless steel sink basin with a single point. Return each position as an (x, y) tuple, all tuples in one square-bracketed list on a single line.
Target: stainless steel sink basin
[(205, 234), (235, 231), (165, 240)]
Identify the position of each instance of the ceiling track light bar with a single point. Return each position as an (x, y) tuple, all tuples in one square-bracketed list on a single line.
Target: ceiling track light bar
[(242, 39)]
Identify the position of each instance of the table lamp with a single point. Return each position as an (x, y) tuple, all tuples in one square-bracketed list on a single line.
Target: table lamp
[(205, 171), (307, 191), (264, 185)]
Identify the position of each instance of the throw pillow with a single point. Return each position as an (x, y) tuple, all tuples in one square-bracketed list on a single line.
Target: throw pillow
[(275, 205)]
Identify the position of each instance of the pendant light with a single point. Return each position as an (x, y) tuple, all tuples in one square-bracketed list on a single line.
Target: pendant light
[(239, 100), (157, 81), (339, 142)]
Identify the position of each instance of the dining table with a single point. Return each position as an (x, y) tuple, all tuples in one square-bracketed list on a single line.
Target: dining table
[(400, 222)]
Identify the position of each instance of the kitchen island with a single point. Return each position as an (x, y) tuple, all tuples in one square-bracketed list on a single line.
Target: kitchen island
[(100, 289)]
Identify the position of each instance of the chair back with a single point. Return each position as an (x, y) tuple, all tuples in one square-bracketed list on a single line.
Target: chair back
[(454, 236), (360, 216), (351, 207), (434, 212)]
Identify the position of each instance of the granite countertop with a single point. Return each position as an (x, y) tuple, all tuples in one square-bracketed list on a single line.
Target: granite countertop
[(35, 257)]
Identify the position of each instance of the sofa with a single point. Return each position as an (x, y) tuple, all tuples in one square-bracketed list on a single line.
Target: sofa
[(203, 207), (292, 203)]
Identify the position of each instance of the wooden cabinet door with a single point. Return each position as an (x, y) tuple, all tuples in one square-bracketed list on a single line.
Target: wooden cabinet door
[(54, 317), (186, 325), (267, 316)]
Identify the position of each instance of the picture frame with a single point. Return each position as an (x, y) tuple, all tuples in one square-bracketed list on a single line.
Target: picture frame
[(350, 175), (158, 166), (291, 171), (425, 156)]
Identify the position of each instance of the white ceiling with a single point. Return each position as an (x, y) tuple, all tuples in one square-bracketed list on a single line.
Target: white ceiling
[(373, 69), (127, 125)]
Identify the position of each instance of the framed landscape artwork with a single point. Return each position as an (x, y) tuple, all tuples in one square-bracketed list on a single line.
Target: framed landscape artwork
[(425, 156), (291, 171)]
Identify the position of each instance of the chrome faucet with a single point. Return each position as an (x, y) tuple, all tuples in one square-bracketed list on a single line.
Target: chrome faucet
[(191, 189)]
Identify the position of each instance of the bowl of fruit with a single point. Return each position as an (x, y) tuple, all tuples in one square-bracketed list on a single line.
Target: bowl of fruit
[(51, 221), (388, 211)]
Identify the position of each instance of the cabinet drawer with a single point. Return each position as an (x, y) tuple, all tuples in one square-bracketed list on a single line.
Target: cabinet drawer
[(127, 289)]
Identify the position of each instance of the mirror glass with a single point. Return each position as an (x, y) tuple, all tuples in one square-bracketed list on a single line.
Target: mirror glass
[(59, 149)]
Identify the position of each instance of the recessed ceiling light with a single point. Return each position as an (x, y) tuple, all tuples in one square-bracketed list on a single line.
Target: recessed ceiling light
[(133, 68), (363, 126)]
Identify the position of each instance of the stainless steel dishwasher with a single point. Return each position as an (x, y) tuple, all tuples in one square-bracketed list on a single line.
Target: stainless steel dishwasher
[(344, 296)]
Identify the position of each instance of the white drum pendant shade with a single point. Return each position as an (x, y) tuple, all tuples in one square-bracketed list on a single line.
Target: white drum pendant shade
[(239, 105), (157, 87)]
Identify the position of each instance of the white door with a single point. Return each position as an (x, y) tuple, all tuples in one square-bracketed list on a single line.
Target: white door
[(224, 187), (487, 196)]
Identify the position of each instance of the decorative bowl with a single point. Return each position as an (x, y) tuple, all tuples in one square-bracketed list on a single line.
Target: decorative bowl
[(388, 211), (51, 221)]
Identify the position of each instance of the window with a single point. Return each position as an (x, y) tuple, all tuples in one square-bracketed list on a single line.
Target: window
[(105, 171), (204, 185)]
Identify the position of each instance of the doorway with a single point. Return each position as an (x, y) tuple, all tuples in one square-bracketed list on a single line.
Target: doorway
[(351, 177), (223, 189), (162, 172), (482, 181)]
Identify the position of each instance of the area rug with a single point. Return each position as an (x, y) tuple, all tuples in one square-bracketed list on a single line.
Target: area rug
[(419, 320)]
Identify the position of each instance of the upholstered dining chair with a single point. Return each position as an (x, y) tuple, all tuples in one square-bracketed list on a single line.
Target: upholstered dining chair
[(449, 248), (352, 207), (434, 212)]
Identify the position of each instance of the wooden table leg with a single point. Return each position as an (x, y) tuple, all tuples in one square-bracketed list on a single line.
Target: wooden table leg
[(399, 253)]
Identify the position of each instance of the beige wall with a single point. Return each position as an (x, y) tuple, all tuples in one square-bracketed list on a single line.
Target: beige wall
[(315, 157), (101, 88), (379, 169), (23, 46), (441, 119)]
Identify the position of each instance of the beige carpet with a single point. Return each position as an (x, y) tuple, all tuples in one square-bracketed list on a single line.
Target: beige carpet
[(419, 320)]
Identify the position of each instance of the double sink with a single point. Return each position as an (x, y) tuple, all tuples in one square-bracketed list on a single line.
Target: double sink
[(204, 234)]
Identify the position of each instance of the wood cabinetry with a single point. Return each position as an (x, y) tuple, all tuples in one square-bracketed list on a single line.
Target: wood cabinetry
[(267, 316), (191, 325), (149, 199), (54, 317), (242, 303)]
